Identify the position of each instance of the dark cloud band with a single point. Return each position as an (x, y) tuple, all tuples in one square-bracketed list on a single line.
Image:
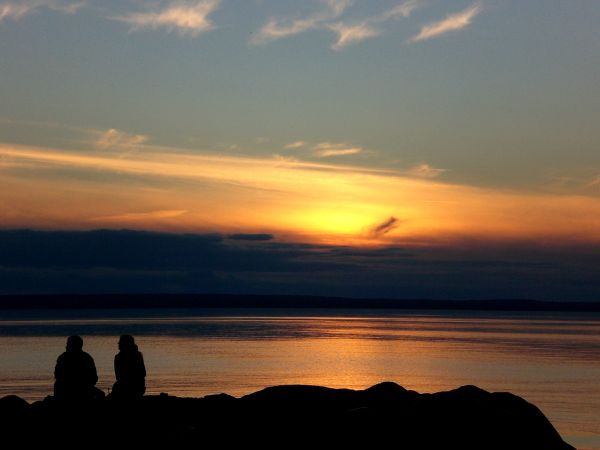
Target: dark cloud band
[(106, 261)]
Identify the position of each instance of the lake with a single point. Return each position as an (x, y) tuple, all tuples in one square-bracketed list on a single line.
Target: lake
[(550, 359)]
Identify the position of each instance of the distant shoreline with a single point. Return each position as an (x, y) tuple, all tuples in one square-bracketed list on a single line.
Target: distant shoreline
[(159, 301)]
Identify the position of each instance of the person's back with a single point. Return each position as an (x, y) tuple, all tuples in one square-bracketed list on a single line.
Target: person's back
[(130, 370), (75, 373)]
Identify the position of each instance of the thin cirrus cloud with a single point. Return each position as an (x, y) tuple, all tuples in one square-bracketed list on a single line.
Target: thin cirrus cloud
[(425, 171), (348, 32), (329, 149), (277, 28), (353, 33), (192, 18), (186, 18), (101, 139), (295, 145), (117, 139), (129, 218), (326, 149), (399, 11), (452, 22), (17, 10)]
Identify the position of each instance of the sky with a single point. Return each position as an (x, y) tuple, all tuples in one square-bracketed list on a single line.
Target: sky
[(416, 148)]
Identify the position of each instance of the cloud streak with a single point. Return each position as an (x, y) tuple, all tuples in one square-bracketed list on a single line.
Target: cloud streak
[(348, 32), (329, 149), (277, 28), (452, 22), (117, 139), (352, 34), (425, 171), (18, 10), (145, 217), (385, 227), (401, 10), (326, 149), (186, 18), (192, 18), (295, 145), (355, 32)]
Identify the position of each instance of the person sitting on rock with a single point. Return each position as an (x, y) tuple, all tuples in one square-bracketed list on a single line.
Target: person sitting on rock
[(75, 374), (130, 371)]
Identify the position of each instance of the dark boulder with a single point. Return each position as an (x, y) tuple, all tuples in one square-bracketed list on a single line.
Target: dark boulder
[(12, 407)]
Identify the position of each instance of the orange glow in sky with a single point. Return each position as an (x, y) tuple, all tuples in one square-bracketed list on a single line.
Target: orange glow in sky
[(167, 189)]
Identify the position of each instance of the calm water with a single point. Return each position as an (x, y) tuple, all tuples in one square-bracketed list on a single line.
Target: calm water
[(553, 360)]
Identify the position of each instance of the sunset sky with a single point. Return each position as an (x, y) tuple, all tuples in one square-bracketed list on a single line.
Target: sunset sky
[(460, 133)]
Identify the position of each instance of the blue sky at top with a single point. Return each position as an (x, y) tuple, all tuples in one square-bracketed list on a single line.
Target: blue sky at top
[(505, 98)]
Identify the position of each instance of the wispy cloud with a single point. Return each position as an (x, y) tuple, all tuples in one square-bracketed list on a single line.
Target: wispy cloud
[(351, 34), (399, 11), (357, 31), (140, 217), (16, 10), (325, 149), (295, 145), (348, 32), (285, 159), (425, 171), (117, 139), (452, 22), (329, 149), (189, 18), (101, 139), (384, 227), (278, 28)]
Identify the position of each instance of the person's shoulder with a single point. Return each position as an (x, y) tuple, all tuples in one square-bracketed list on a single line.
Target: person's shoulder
[(62, 356)]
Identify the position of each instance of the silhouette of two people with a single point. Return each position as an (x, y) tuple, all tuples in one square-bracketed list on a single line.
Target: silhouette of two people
[(76, 376)]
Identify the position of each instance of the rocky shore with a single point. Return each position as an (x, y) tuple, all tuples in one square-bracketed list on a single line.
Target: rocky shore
[(383, 416)]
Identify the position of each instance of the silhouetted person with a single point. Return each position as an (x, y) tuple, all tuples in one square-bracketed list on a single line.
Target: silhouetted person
[(129, 370), (75, 374)]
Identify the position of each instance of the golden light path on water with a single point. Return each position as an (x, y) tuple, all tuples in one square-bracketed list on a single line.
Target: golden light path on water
[(550, 359), (169, 190)]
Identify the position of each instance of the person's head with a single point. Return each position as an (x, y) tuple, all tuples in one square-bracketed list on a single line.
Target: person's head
[(126, 342), (74, 344)]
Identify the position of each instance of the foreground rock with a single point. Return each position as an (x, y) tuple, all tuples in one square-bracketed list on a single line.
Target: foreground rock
[(383, 416)]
